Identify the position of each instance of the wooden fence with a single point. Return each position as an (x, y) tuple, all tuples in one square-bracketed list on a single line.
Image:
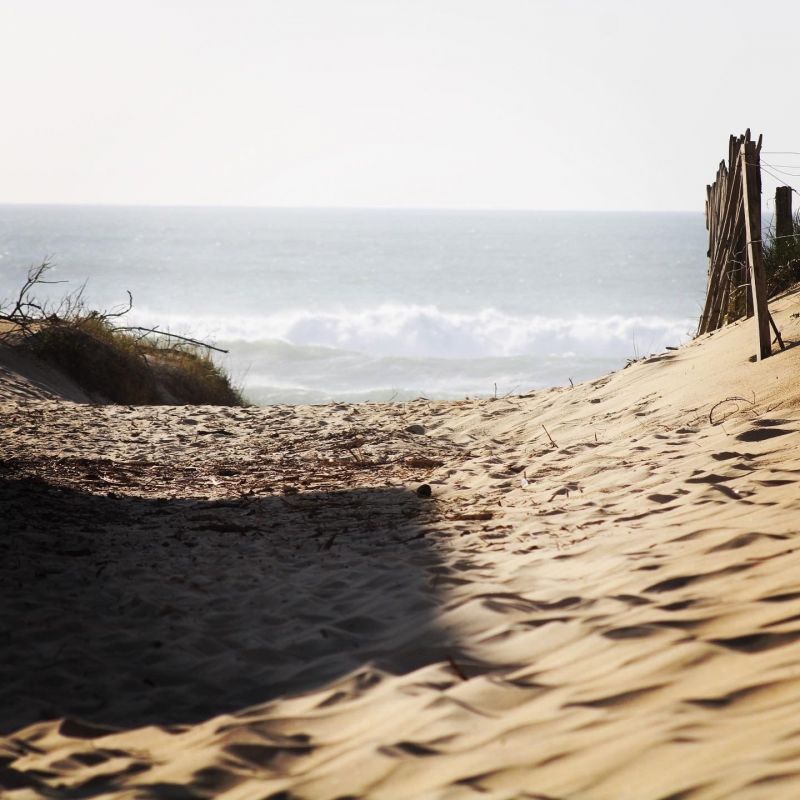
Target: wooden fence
[(736, 278)]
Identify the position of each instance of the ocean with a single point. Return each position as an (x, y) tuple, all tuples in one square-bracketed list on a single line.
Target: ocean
[(354, 305)]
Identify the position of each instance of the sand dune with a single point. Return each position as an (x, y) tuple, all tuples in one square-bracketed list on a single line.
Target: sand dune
[(601, 599)]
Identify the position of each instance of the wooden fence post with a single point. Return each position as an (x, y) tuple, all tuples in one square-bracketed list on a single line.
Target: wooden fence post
[(751, 205), (784, 224)]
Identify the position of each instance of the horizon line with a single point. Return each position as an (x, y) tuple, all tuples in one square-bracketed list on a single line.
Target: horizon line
[(266, 207)]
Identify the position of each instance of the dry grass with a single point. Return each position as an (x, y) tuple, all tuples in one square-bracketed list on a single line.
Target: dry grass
[(782, 259), (110, 363), (122, 368)]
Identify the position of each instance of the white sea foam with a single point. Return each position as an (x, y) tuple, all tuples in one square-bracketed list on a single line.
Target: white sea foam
[(416, 331)]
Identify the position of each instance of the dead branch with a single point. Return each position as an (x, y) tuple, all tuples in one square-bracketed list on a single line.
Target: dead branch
[(122, 312), (171, 336), (26, 310)]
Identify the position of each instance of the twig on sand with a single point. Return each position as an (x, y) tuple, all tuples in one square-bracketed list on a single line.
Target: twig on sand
[(778, 337), (549, 436), (458, 671), (329, 543), (734, 399)]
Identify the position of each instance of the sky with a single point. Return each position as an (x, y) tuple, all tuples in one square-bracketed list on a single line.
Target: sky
[(529, 104)]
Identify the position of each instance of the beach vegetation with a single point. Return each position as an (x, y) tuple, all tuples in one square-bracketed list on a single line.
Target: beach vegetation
[(110, 361), (782, 259)]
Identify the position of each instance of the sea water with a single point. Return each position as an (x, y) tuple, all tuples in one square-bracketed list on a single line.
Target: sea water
[(319, 305)]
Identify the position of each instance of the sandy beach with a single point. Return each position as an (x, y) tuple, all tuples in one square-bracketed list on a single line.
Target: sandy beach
[(600, 598)]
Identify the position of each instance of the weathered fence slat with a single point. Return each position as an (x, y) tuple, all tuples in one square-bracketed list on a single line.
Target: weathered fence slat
[(736, 275), (751, 196), (727, 202), (784, 224)]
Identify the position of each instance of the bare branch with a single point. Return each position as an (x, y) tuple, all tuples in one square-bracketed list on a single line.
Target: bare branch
[(172, 336), (123, 312), (27, 312)]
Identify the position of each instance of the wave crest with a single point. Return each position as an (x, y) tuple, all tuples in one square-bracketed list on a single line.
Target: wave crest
[(429, 332)]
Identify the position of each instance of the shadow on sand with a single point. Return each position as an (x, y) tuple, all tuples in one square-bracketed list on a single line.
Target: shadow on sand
[(125, 611)]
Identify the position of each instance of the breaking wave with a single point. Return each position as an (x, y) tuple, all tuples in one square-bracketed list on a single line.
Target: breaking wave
[(426, 331)]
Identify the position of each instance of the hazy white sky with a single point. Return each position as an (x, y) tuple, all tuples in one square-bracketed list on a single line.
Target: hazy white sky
[(546, 104)]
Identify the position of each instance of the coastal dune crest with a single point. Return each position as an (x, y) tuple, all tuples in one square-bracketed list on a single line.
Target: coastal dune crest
[(598, 600)]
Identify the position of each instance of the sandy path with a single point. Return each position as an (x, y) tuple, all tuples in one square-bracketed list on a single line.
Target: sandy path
[(251, 603)]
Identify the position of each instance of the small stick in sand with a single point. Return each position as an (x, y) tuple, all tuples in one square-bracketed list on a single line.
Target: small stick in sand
[(328, 544), (458, 671), (735, 399), (549, 436), (778, 337)]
